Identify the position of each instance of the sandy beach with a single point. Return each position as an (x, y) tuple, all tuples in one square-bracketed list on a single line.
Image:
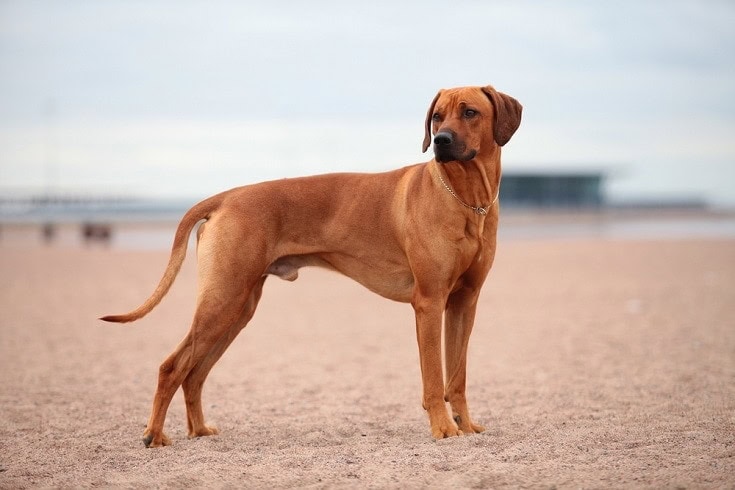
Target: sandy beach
[(595, 363)]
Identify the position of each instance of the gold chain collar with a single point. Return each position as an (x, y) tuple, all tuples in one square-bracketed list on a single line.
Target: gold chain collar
[(482, 211)]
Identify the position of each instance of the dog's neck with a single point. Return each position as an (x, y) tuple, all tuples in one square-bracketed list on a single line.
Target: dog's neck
[(476, 182)]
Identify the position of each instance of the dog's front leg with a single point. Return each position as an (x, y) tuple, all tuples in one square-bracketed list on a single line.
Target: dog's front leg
[(428, 334), (459, 319)]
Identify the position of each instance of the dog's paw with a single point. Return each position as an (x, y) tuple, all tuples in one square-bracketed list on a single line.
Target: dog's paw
[(151, 440), (467, 426), (207, 430), (445, 429)]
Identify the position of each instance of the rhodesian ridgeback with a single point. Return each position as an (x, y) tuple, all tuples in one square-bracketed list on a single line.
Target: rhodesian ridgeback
[(423, 234)]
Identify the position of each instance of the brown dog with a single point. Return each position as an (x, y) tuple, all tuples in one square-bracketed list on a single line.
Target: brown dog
[(423, 234)]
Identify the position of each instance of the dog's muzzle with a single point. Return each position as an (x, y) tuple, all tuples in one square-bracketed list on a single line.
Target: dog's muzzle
[(448, 149)]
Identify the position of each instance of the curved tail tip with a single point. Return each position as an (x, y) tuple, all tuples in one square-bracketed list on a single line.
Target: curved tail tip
[(113, 318)]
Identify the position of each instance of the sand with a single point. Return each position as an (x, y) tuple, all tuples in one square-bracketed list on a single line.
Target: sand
[(594, 364)]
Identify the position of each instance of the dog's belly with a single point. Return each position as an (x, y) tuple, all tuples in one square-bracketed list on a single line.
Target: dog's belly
[(390, 279)]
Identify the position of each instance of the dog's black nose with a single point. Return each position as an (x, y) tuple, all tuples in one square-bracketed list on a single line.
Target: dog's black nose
[(443, 139)]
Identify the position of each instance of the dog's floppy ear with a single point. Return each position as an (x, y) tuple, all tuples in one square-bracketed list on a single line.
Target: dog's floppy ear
[(427, 124), (507, 114)]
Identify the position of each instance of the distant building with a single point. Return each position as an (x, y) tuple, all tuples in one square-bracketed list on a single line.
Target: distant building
[(552, 188)]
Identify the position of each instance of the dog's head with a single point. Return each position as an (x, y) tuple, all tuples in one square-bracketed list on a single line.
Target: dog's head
[(469, 121)]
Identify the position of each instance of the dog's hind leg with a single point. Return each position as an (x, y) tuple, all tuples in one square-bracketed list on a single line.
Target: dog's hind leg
[(194, 381), (225, 288), (214, 318)]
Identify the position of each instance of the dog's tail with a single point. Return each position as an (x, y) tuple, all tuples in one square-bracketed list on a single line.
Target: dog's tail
[(199, 212)]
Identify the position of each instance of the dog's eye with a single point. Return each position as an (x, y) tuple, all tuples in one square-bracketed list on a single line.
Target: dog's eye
[(436, 117), (470, 113)]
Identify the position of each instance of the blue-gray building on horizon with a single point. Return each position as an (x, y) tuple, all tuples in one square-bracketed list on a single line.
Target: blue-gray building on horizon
[(552, 188)]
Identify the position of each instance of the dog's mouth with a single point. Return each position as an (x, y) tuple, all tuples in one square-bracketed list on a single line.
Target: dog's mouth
[(444, 155)]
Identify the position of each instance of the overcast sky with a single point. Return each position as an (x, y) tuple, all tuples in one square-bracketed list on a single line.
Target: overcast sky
[(187, 98)]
